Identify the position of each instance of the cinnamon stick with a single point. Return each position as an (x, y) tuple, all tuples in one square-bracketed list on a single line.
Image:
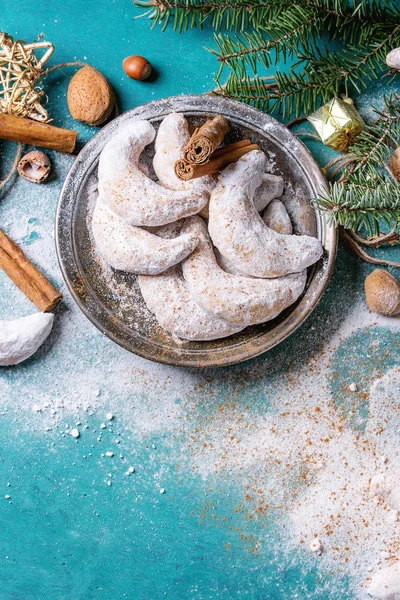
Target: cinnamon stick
[(36, 287), (186, 171), (27, 131), (206, 140), (230, 147)]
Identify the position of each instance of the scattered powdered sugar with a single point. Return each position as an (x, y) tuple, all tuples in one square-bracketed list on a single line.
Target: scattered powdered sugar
[(354, 524), (384, 422), (293, 455), (301, 459), (385, 583)]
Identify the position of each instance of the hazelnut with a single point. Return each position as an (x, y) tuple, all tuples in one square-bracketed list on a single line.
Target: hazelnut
[(34, 166), (382, 293), (91, 98), (137, 67)]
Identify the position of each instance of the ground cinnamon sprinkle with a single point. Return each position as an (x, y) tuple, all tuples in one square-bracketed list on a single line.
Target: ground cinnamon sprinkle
[(330, 495)]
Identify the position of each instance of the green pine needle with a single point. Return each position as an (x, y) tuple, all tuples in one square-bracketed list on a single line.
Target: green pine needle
[(362, 207), (274, 30)]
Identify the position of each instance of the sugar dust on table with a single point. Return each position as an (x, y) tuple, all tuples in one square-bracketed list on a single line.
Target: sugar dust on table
[(277, 478)]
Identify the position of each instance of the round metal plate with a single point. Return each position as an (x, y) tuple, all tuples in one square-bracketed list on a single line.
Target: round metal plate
[(112, 300)]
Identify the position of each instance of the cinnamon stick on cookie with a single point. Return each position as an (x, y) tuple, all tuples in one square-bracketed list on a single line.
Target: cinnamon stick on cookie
[(206, 140), (220, 159)]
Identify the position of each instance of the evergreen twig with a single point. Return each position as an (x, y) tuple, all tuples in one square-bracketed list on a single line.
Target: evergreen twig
[(233, 14), (270, 29), (299, 92), (366, 195)]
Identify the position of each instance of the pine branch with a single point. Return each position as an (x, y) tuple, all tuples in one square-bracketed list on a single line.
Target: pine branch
[(240, 14), (295, 27), (323, 75), (284, 29), (362, 206), (366, 196), (291, 29), (235, 15)]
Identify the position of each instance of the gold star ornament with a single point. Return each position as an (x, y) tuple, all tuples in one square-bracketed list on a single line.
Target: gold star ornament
[(20, 71)]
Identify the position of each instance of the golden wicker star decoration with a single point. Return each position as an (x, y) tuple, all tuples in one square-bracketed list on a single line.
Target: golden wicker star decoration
[(20, 71)]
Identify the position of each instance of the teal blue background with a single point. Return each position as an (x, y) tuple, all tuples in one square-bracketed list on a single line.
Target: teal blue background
[(66, 534)]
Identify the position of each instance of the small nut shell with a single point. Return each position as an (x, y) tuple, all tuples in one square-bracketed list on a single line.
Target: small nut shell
[(393, 59), (395, 164), (91, 98), (35, 166), (137, 67), (347, 99), (382, 293)]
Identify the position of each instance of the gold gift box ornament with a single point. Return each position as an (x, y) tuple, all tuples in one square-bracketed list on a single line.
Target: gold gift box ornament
[(337, 123)]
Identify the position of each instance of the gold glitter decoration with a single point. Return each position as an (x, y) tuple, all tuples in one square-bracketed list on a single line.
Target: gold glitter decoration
[(337, 123)]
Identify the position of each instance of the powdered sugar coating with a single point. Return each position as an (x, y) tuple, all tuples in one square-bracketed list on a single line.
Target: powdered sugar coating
[(130, 193), (276, 217), (271, 187), (227, 265), (240, 234), (20, 338), (239, 300), (133, 249), (385, 583)]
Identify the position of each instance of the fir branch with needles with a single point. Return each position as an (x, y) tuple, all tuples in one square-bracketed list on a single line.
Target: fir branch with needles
[(238, 14), (323, 72), (363, 205), (235, 15), (265, 31)]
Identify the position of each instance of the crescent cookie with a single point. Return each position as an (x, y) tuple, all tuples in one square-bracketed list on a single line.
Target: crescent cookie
[(240, 300), (130, 193), (240, 234), (168, 297), (135, 250), (20, 338)]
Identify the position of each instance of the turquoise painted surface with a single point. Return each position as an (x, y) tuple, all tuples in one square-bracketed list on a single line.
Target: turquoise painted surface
[(64, 531)]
